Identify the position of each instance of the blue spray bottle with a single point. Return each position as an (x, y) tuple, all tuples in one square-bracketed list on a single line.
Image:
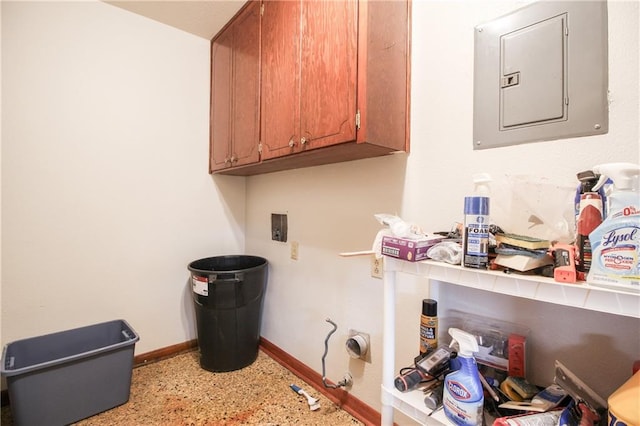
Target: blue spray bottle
[(463, 396)]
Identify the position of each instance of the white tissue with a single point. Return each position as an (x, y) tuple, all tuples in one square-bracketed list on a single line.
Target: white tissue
[(399, 228), (377, 242), (446, 251), (396, 228)]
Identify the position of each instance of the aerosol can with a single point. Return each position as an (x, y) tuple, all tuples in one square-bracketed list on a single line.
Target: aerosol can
[(463, 396)]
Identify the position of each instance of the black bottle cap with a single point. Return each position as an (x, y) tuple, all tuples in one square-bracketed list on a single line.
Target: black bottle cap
[(429, 307), (588, 179)]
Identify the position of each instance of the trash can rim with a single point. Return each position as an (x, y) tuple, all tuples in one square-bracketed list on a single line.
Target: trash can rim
[(262, 260)]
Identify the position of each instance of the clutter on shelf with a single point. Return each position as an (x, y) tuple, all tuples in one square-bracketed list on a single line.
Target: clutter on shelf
[(590, 234), (480, 378)]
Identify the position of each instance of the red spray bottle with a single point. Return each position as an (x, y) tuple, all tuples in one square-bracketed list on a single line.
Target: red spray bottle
[(590, 216)]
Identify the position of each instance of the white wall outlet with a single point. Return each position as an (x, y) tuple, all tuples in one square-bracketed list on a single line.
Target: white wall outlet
[(294, 250), (377, 266)]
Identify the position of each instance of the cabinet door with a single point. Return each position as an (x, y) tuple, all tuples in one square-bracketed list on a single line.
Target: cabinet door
[(280, 78), (384, 73), (220, 120), (235, 92), (245, 123), (328, 72)]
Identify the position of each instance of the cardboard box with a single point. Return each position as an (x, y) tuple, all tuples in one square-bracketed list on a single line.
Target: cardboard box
[(406, 249), (517, 350)]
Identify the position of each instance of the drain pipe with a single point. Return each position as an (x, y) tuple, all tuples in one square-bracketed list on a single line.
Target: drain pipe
[(346, 381)]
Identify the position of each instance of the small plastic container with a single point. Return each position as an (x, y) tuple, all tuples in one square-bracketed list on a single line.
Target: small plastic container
[(624, 403), (63, 377)]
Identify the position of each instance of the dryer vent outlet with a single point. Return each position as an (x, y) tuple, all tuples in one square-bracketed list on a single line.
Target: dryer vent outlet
[(357, 345)]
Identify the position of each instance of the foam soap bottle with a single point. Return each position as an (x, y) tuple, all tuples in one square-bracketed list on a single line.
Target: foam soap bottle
[(463, 396), (615, 244)]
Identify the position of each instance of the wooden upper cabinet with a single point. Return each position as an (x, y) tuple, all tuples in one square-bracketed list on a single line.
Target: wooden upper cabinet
[(309, 65), (220, 124), (235, 92), (280, 98), (333, 84), (329, 65), (384, 71)]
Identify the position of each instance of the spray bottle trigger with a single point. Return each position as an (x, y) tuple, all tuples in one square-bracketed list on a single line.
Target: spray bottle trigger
[(467, 343), (601, 181)]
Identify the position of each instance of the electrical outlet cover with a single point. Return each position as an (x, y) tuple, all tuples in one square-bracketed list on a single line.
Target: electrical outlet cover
[(376, 266)]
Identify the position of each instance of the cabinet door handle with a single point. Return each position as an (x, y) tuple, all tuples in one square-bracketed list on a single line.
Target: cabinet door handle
[(233, 159), (226, 160), (303, 140), (292, 143)]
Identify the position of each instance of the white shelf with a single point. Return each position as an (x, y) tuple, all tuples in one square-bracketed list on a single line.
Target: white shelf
[(412, 405), (580, 295)]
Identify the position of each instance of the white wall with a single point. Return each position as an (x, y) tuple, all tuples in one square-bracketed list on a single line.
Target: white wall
[(331, 210), (105, 195)]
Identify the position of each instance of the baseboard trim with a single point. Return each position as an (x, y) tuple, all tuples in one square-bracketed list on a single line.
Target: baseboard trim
[(164, 353), (347, 402)]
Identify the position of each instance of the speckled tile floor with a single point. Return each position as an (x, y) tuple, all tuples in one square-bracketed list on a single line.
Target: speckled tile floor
[(177, 391)]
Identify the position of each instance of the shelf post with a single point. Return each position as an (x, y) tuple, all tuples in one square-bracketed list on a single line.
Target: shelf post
[(388, 344)]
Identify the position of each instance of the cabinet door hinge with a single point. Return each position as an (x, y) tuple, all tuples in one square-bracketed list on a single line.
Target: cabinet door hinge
[(358, 120), (261, 9)]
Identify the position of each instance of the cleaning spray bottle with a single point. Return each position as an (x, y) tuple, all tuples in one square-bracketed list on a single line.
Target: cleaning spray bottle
[(615, 244), (589, 215), (463, 396)]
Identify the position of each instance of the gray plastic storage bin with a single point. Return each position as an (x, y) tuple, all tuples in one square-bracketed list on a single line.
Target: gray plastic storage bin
[(63, 377)]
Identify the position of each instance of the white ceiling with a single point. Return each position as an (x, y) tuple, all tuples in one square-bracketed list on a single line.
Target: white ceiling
[(203, 18)]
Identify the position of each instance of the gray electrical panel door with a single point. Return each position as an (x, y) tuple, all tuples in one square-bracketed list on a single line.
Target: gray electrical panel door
[(541, 74)]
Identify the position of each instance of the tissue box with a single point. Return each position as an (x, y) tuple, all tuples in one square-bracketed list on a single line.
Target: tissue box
[(406, 249)]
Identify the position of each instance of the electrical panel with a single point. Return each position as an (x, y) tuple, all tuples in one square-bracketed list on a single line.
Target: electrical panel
[(540, 73)]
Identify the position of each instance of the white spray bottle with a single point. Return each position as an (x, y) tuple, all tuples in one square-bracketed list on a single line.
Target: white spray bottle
[(615, 244), (463, 396)]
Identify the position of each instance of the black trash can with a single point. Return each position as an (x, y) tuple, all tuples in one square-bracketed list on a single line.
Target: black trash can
[(228, 293)]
